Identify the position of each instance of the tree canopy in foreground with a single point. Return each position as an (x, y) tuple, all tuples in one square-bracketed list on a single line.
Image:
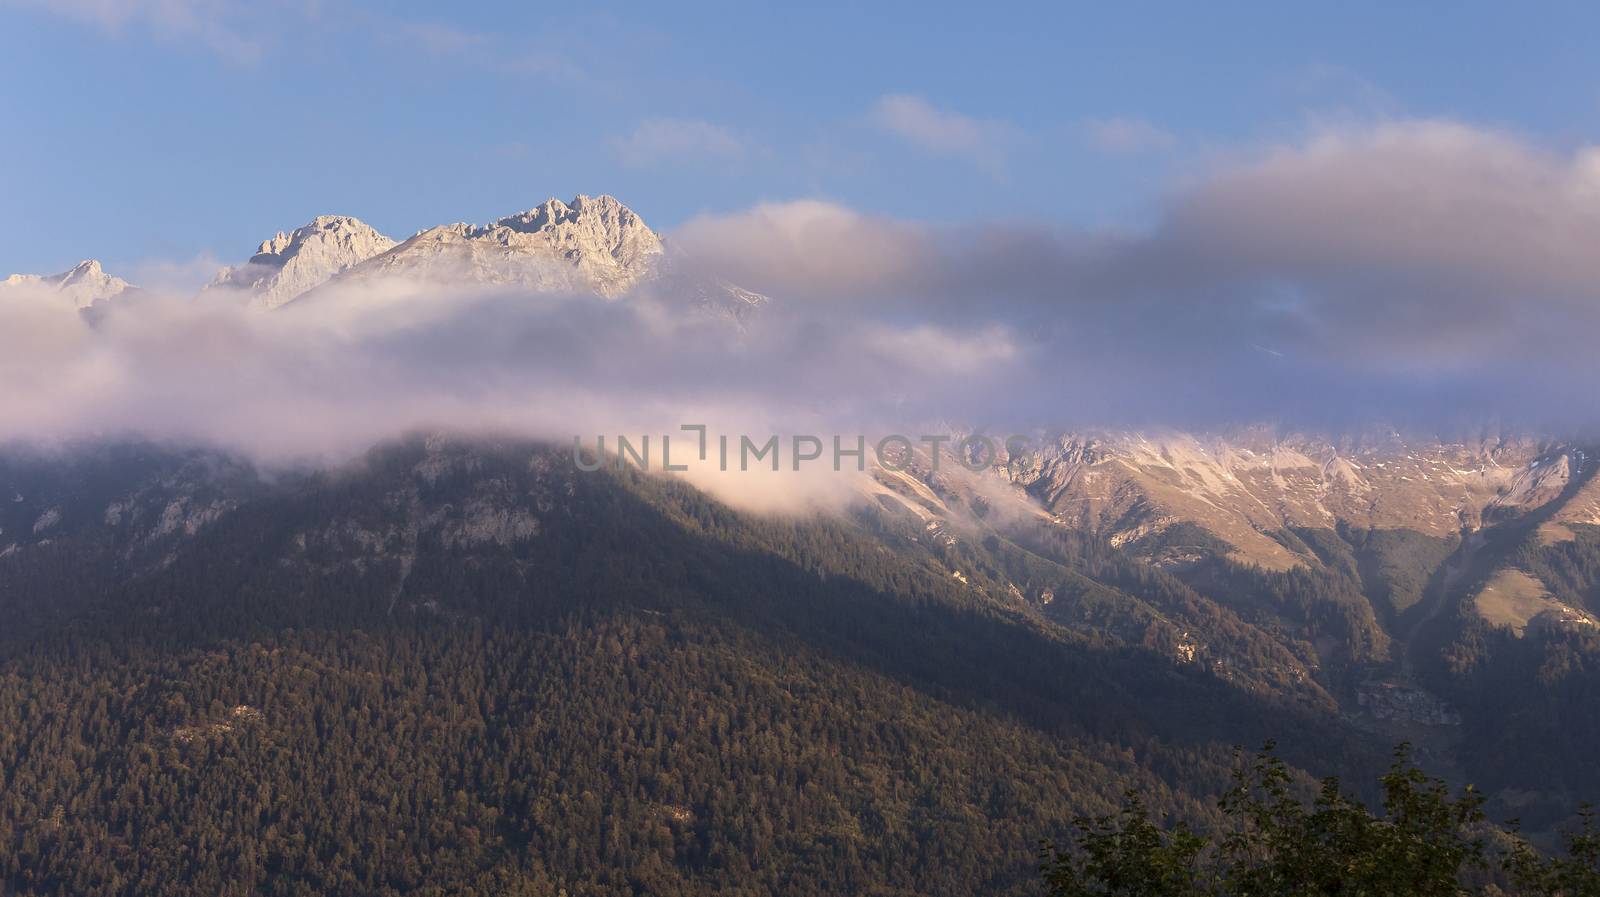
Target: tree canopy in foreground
[(1424, 843)]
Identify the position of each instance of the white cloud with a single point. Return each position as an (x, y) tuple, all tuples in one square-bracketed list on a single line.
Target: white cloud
[(438, 38), (1429, 197), (1411, 243), (659, 140), (925, 347), (1410, 268), (942, 132), (1128, 136), (808, 248), (245, 30), (1412, 271), (372, 360), (175, 275), (224, 26)]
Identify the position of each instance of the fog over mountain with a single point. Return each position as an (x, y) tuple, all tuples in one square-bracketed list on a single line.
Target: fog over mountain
[(601, 450), (1424, 274)]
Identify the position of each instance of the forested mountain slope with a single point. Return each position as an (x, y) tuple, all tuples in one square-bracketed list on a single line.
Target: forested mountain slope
[(463, 666)]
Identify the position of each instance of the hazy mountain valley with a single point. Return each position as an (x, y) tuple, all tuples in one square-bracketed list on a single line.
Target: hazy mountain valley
[(787, 450), (457, 663), (525, 674)]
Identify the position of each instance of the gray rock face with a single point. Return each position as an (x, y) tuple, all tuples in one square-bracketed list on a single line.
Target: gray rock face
[(1244, 488), (594, 245), (590, 246), (288, 265)]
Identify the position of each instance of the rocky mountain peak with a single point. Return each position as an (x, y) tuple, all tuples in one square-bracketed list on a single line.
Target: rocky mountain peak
[(287, 265), (88, 269), (339, 228), (86, 284), (589, 226), (591, 245)]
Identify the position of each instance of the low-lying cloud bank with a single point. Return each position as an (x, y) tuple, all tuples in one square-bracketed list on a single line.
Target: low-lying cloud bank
[(380, 358), (1424, 273)]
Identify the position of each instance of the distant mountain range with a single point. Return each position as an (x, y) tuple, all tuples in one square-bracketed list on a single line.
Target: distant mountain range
[(486, 602), (593, 245), (1137, 490), (1245, 485), (963, 659)]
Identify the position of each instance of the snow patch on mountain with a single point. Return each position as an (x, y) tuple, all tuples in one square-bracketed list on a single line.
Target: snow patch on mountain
[(1246, 487)]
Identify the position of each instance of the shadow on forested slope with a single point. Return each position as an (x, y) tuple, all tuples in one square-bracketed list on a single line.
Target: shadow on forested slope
[(732, 699)]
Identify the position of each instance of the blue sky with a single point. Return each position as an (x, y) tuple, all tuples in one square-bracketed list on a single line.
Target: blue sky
[(141, 131)]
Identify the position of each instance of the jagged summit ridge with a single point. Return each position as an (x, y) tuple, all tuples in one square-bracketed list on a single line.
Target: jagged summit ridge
[(286, 266), (1247, 486), (591, 245), (597, 221), (85, 285)]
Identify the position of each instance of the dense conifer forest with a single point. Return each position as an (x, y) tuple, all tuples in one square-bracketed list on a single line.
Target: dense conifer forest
[(469, 668)]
